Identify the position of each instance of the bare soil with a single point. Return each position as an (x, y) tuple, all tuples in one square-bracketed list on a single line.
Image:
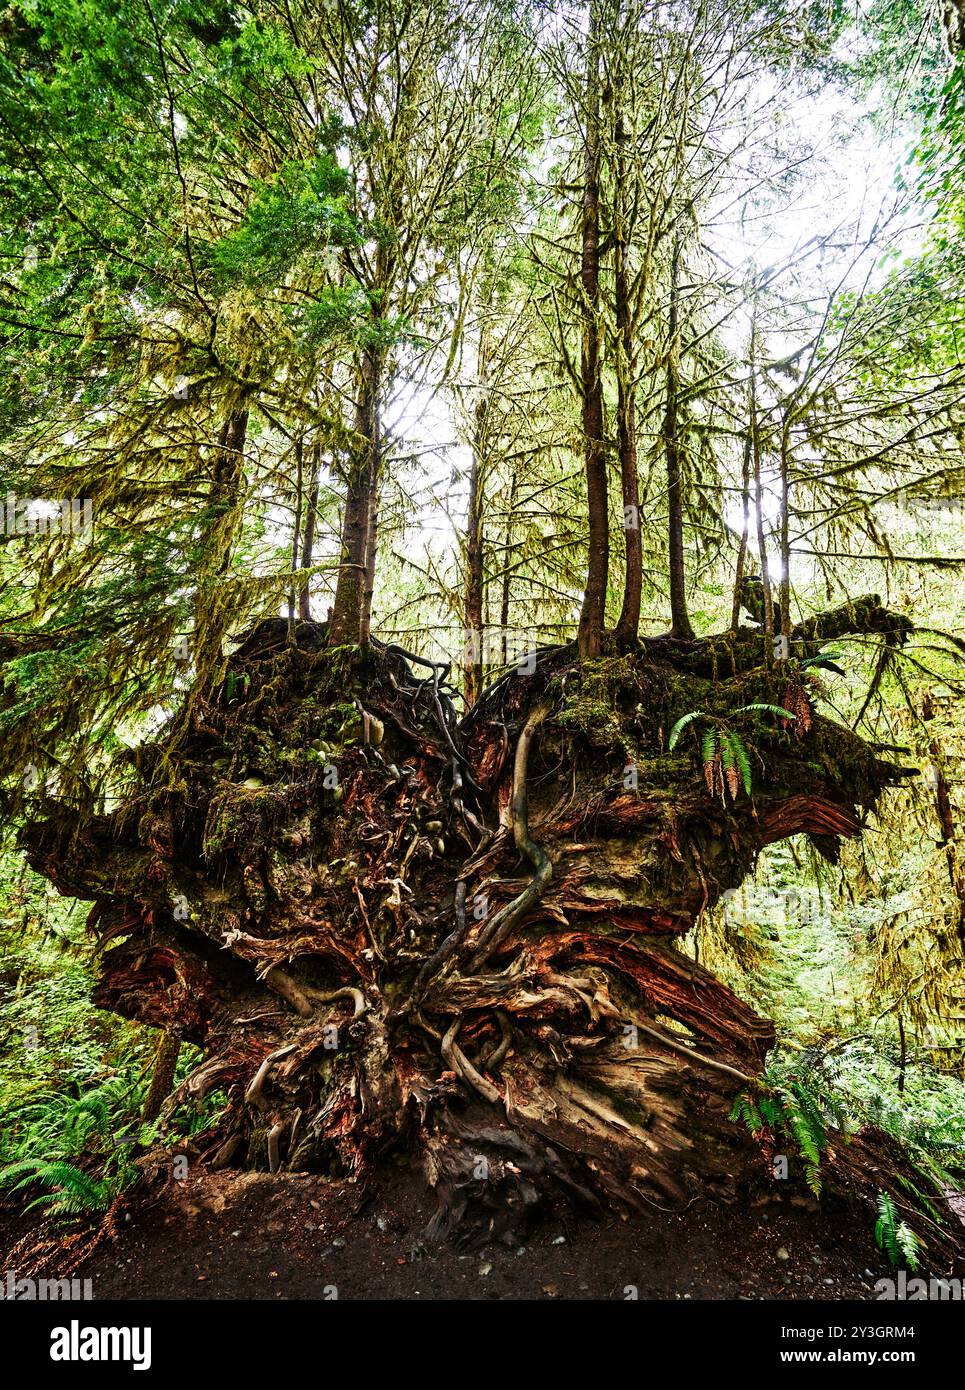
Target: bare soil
[(251, 1235)]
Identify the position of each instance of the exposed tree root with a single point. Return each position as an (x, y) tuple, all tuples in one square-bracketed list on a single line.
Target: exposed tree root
[(503, 922), (496, 900)]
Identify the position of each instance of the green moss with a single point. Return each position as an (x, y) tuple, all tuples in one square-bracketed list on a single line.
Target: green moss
[(596, 703)]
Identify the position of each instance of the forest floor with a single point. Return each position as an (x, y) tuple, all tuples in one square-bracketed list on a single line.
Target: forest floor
[(254, 1236)]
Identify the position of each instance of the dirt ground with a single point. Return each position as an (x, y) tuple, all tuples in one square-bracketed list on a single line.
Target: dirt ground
[(255, 1236)]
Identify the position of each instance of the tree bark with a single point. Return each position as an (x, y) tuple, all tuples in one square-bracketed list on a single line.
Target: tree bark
[(472, 680), (759, 486), (372, 518), (953, 25), (593, 612), (495, 999), (212, 595), (745, 523), (507, 584), (946, 819), (353, 590), (162, 1075), (679, 618), (297, 519), (308, 539), (628, 624), (783, 618)]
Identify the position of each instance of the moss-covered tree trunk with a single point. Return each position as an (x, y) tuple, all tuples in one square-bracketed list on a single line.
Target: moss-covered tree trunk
[(352, 605), (162, 1075), (593, 611), (673, 452)]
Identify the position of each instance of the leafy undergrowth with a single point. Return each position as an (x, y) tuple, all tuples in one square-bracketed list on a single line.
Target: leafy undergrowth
[(796, 951), (74, 1155), (73, 1078)]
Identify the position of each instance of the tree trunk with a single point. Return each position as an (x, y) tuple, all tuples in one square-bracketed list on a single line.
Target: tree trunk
[(953, 25), (162, 1076), (628, 624), (308, 540), (472, 674), (226, 498), (593, 613), (745, 523), (679, 618), (946, 819), (353, 590), (372, 521), (297, 519), (759, 486), (782, 622), (507, 586)]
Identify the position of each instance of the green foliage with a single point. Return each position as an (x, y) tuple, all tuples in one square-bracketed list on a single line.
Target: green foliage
[(682, 724), (723, 752), (823, 661), (49, 1027), (303, 211), (894, 1236), (696, 714), (72, 1078), (794, 1098), (73, 1192), (807, 958), (50, 1130), (735, 755)]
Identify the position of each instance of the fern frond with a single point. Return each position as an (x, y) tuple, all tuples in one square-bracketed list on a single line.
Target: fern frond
[(743, 761), (73, 1190), (886, 1227), (908, 1244), (768, 709), (680, 725)]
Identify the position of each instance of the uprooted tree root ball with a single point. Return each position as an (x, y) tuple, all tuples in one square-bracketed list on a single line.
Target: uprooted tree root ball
[(392, 930)]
